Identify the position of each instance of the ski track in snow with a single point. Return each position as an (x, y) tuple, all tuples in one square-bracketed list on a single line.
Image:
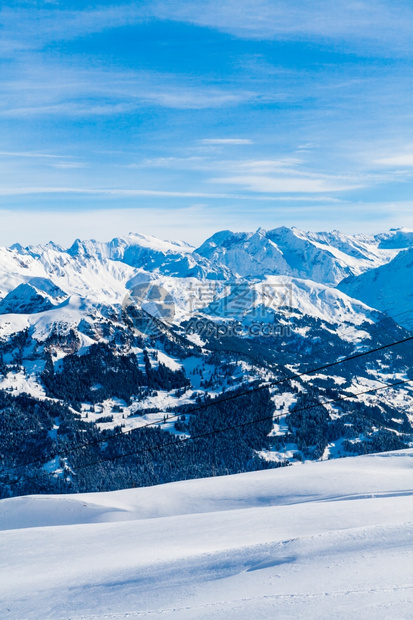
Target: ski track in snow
[(321, 540)]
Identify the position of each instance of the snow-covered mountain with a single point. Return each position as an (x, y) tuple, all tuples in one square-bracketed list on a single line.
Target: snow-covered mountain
[(103, 270), (323, 257), (388, 288), (37, 295), (396, 238), (103, 338), (173, 258)]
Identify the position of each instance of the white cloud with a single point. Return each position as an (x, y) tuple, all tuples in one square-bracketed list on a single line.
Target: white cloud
[(267, 184), (268, 166), (117, 192), (42, 86), (185, 163), (56, 24), (243, 17), (130, 193), (32, 154), (384, 23), (225, 141), (21, 191), (68, 165), (405, 160)]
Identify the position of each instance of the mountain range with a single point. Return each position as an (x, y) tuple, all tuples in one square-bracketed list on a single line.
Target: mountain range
[(103, 338), (326, 258)]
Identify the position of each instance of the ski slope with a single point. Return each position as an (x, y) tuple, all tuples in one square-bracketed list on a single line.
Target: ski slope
[(319, 540)]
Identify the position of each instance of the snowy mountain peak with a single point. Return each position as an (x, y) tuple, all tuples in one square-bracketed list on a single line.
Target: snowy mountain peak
[(132, 244), (87, 249), (37, 295), (388, 288), (396, 238), (158, 245), (102, 270), (323, 257), (220, 239)]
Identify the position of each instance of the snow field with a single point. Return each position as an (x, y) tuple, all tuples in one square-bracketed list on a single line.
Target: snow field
[(320, 540)]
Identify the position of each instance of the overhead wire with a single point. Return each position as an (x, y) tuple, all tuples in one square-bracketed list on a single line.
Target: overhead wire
[(249, 423), (217, 401)]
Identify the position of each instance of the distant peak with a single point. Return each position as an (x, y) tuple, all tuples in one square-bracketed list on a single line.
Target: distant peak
[(18, 247)]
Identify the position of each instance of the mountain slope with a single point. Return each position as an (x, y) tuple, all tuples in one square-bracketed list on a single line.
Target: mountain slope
[(396, 238), (37, 295), (388, 288), (92, 348), (100, 270), (298, 542), (323, 257), (172, 258)]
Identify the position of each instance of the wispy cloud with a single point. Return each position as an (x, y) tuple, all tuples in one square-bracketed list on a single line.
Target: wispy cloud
[(226, 141), (268, 166), (404, 160), (265, 184), (382, 23), (185, 114), (68, 165), (32, 154), (55, 23), (183, 163), (21, 191), (291, 174), (40, 87), (137, 192)]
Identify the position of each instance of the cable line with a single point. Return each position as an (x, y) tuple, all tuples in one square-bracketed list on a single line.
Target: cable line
[(249, 423), (223, 400)]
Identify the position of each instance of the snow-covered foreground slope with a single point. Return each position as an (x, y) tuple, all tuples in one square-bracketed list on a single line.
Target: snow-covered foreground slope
[(320, 540)]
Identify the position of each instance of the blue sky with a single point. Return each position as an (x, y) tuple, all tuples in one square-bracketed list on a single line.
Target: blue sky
[(179, 118)]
